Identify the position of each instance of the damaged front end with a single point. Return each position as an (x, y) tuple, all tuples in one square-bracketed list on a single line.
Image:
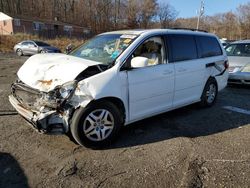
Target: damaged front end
[(48, 112)]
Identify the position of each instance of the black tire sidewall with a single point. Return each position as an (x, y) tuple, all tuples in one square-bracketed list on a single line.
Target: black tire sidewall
[(204, 102), (19, 52), (79, 116)]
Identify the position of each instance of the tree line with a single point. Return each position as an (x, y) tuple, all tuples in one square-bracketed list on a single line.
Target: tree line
[(106, 15), (230, 25)]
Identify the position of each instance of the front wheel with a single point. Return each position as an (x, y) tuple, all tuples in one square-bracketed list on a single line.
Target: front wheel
[(96, 125), (209, 94)]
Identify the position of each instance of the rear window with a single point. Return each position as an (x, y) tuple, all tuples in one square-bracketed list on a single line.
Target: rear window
[(182, 47), (208, 46)]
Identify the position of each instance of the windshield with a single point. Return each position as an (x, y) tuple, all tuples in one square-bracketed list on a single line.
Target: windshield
[(104, 48), (238, 50), (41, 43)]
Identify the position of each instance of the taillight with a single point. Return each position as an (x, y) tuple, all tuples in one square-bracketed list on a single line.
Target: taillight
[(226, 64)]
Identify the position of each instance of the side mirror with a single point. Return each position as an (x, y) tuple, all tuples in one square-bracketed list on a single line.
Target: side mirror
[(138, 62), (69, 48)]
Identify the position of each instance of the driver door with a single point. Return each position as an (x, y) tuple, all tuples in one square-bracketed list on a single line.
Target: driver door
[(33, 48), (151, 88)]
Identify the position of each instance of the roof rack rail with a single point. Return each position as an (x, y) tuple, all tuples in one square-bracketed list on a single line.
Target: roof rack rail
[(191, 29)]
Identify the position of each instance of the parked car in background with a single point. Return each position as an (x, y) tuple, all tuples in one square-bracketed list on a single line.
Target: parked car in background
[(224, 43), (239, 62), (118, 78), (31, 47)]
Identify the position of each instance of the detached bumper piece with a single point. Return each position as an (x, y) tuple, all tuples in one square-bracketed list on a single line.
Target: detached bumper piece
[(45, 120)]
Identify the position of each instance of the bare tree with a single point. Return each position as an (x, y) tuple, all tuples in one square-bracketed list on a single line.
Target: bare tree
[(167, 14), (148, 11), (244, 19), (132, 13), (105, 15)]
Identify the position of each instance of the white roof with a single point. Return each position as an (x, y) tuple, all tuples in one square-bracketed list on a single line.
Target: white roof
[(159, 31), (4, 17)]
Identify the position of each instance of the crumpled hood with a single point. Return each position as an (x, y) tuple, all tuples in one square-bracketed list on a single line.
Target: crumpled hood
[(46, 71), (238, 61)]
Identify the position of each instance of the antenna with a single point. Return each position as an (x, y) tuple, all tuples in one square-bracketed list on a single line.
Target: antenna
[(200, 13)]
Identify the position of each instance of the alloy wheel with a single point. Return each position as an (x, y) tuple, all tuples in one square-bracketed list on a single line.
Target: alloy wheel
[(211, 93), (98, 125)]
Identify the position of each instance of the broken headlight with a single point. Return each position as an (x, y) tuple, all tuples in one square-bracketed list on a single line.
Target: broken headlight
[(235, 69), (55, 97), (66, 90)]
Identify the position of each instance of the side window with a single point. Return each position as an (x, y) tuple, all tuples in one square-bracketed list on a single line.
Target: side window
[(209, 46), (182, 47), (230, 49), (25, 43), (242, 50), (153, 49), (30, 44)]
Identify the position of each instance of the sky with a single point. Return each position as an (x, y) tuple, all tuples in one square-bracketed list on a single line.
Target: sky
[(188, 8)]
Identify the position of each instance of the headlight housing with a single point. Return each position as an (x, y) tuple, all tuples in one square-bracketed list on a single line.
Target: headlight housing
[(66, 90), (236, 69), (246, 68), (60, 94)]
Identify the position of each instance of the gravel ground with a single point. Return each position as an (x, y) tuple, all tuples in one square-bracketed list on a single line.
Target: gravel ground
[(188, 147)]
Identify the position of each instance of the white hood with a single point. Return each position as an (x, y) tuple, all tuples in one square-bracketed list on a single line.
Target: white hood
[(46, 71)]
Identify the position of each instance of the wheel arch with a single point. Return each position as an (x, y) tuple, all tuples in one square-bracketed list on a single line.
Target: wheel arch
[(118, 103), (114, 100), (202, 102), (212, 78)]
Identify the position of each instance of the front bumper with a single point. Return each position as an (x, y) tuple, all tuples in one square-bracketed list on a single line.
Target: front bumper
[(43, 122), (239, 78)]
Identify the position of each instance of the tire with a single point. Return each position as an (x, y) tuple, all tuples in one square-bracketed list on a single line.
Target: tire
[(97, 125), (209, 94), (42, 52), (19, 52)]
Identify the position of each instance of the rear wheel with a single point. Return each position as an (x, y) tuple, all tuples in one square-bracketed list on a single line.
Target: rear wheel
[(96, 125), (19, 52), (209, 94)]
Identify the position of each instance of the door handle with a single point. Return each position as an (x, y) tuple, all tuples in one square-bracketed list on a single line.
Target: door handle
[(182, 70)]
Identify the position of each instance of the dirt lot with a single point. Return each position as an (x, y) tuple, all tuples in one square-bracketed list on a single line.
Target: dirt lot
[(189, 147)]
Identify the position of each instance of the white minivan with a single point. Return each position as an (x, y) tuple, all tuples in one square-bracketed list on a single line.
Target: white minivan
[(118, 78)]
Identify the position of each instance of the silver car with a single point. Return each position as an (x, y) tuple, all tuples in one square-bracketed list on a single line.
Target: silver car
[(239, 62), (31, 47)]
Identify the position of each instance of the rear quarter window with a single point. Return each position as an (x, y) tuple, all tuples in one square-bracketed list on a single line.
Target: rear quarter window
[(182, 47), (208, 46)]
